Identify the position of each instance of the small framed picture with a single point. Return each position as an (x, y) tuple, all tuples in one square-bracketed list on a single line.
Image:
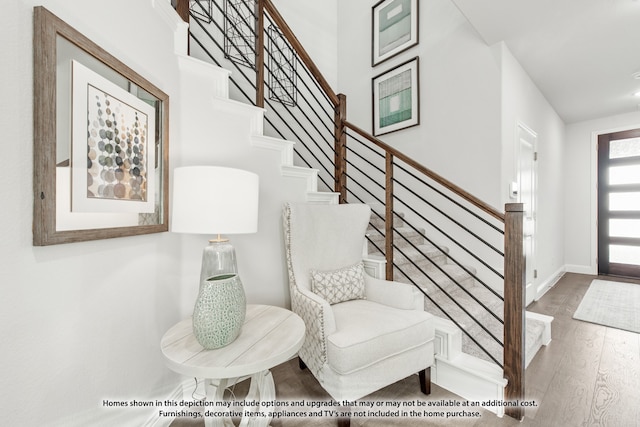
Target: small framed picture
[(396, 103), (394, 28)]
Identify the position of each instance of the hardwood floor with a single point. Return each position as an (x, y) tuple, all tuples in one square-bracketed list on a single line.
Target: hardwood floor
[(589, 375)]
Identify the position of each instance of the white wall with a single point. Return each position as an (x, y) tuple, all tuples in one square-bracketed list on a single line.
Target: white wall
[(78, 327), (522, 102), (459, 132), (472, 97), (580, 179), (315, 25)]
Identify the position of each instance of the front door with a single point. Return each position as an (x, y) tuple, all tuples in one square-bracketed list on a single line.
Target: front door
[(619, 203)]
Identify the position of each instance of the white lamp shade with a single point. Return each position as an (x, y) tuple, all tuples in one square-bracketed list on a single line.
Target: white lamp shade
[(214, 200)]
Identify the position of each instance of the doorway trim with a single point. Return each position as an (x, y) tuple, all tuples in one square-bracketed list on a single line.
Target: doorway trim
[(532, 287), (594, 191)]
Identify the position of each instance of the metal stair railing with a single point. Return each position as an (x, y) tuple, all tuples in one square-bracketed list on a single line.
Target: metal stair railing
[(309, 120), (271, 69)]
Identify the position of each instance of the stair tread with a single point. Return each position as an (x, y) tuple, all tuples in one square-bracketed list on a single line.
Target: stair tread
[(414, 253), (444, 275)]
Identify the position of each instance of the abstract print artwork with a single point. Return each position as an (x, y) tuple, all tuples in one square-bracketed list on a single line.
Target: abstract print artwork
[(395, 99), (395, 28), (395, 102), (115, 147)]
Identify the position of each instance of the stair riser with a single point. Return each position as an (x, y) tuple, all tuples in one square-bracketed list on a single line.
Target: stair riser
[(379, 223)]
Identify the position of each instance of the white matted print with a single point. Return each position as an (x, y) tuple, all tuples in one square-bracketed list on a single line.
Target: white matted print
[(113, 148), (394, 28), (396, 99)]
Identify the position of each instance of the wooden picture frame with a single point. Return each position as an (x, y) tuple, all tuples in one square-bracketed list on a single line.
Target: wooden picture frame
[(58, 110), (396, 98), (394, 28)]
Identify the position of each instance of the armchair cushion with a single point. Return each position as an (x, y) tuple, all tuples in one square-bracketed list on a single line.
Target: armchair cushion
[(394, 294), (340, 285), (368, 332)]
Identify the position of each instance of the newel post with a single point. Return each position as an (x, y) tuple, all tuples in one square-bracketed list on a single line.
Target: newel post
[(340, 148), (514, 307), (260, 53)]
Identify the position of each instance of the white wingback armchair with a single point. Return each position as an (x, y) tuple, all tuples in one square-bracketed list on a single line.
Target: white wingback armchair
[(368, 338)]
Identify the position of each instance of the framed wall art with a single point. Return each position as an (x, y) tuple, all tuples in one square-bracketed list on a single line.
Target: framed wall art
[(100, 141), (396, 98), (394, 28)]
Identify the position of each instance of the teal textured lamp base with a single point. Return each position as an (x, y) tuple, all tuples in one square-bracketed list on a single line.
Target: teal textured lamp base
[(219, 311)]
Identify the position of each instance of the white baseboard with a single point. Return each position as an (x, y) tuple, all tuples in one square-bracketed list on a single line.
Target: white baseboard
[(549, 282), (581, 269)]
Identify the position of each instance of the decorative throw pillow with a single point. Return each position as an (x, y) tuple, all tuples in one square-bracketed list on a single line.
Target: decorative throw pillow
[(340, 285)]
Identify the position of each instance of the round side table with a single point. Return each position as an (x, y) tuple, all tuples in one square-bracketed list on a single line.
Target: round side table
[(269, 336)]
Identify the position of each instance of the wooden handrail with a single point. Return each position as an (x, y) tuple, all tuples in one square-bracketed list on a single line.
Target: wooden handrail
[(488, 209), (300, 50)]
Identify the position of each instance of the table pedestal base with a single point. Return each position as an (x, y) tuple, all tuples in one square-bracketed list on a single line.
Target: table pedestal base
[(262, 390)]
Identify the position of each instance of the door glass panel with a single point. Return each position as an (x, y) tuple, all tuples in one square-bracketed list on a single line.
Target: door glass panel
[(624, 201), (624, 254), (624, 227), (621, 148), (619, 175)]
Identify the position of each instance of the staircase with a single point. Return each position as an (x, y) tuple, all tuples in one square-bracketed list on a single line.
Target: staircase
[(452, 291), (461, 366), (205, 88)]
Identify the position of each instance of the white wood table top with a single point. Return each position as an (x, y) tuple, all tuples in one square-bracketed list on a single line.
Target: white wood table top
[(270, 336)]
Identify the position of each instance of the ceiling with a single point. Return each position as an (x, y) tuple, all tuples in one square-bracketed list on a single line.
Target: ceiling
[(582, 54)]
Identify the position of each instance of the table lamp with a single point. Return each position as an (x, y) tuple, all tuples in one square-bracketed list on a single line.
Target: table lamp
[(216, 200)]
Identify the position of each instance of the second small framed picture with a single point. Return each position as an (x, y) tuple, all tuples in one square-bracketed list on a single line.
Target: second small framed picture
[(396, 98), (394, 28)]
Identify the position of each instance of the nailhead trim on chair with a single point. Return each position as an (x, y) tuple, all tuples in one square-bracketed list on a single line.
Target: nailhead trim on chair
[(313, 351)]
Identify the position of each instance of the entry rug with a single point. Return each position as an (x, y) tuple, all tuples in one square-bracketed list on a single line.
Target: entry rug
[(613, 304)]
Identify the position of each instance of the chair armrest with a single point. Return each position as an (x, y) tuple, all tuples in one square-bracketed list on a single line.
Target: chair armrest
[(319, 305), (319, 322), (394, 294)]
